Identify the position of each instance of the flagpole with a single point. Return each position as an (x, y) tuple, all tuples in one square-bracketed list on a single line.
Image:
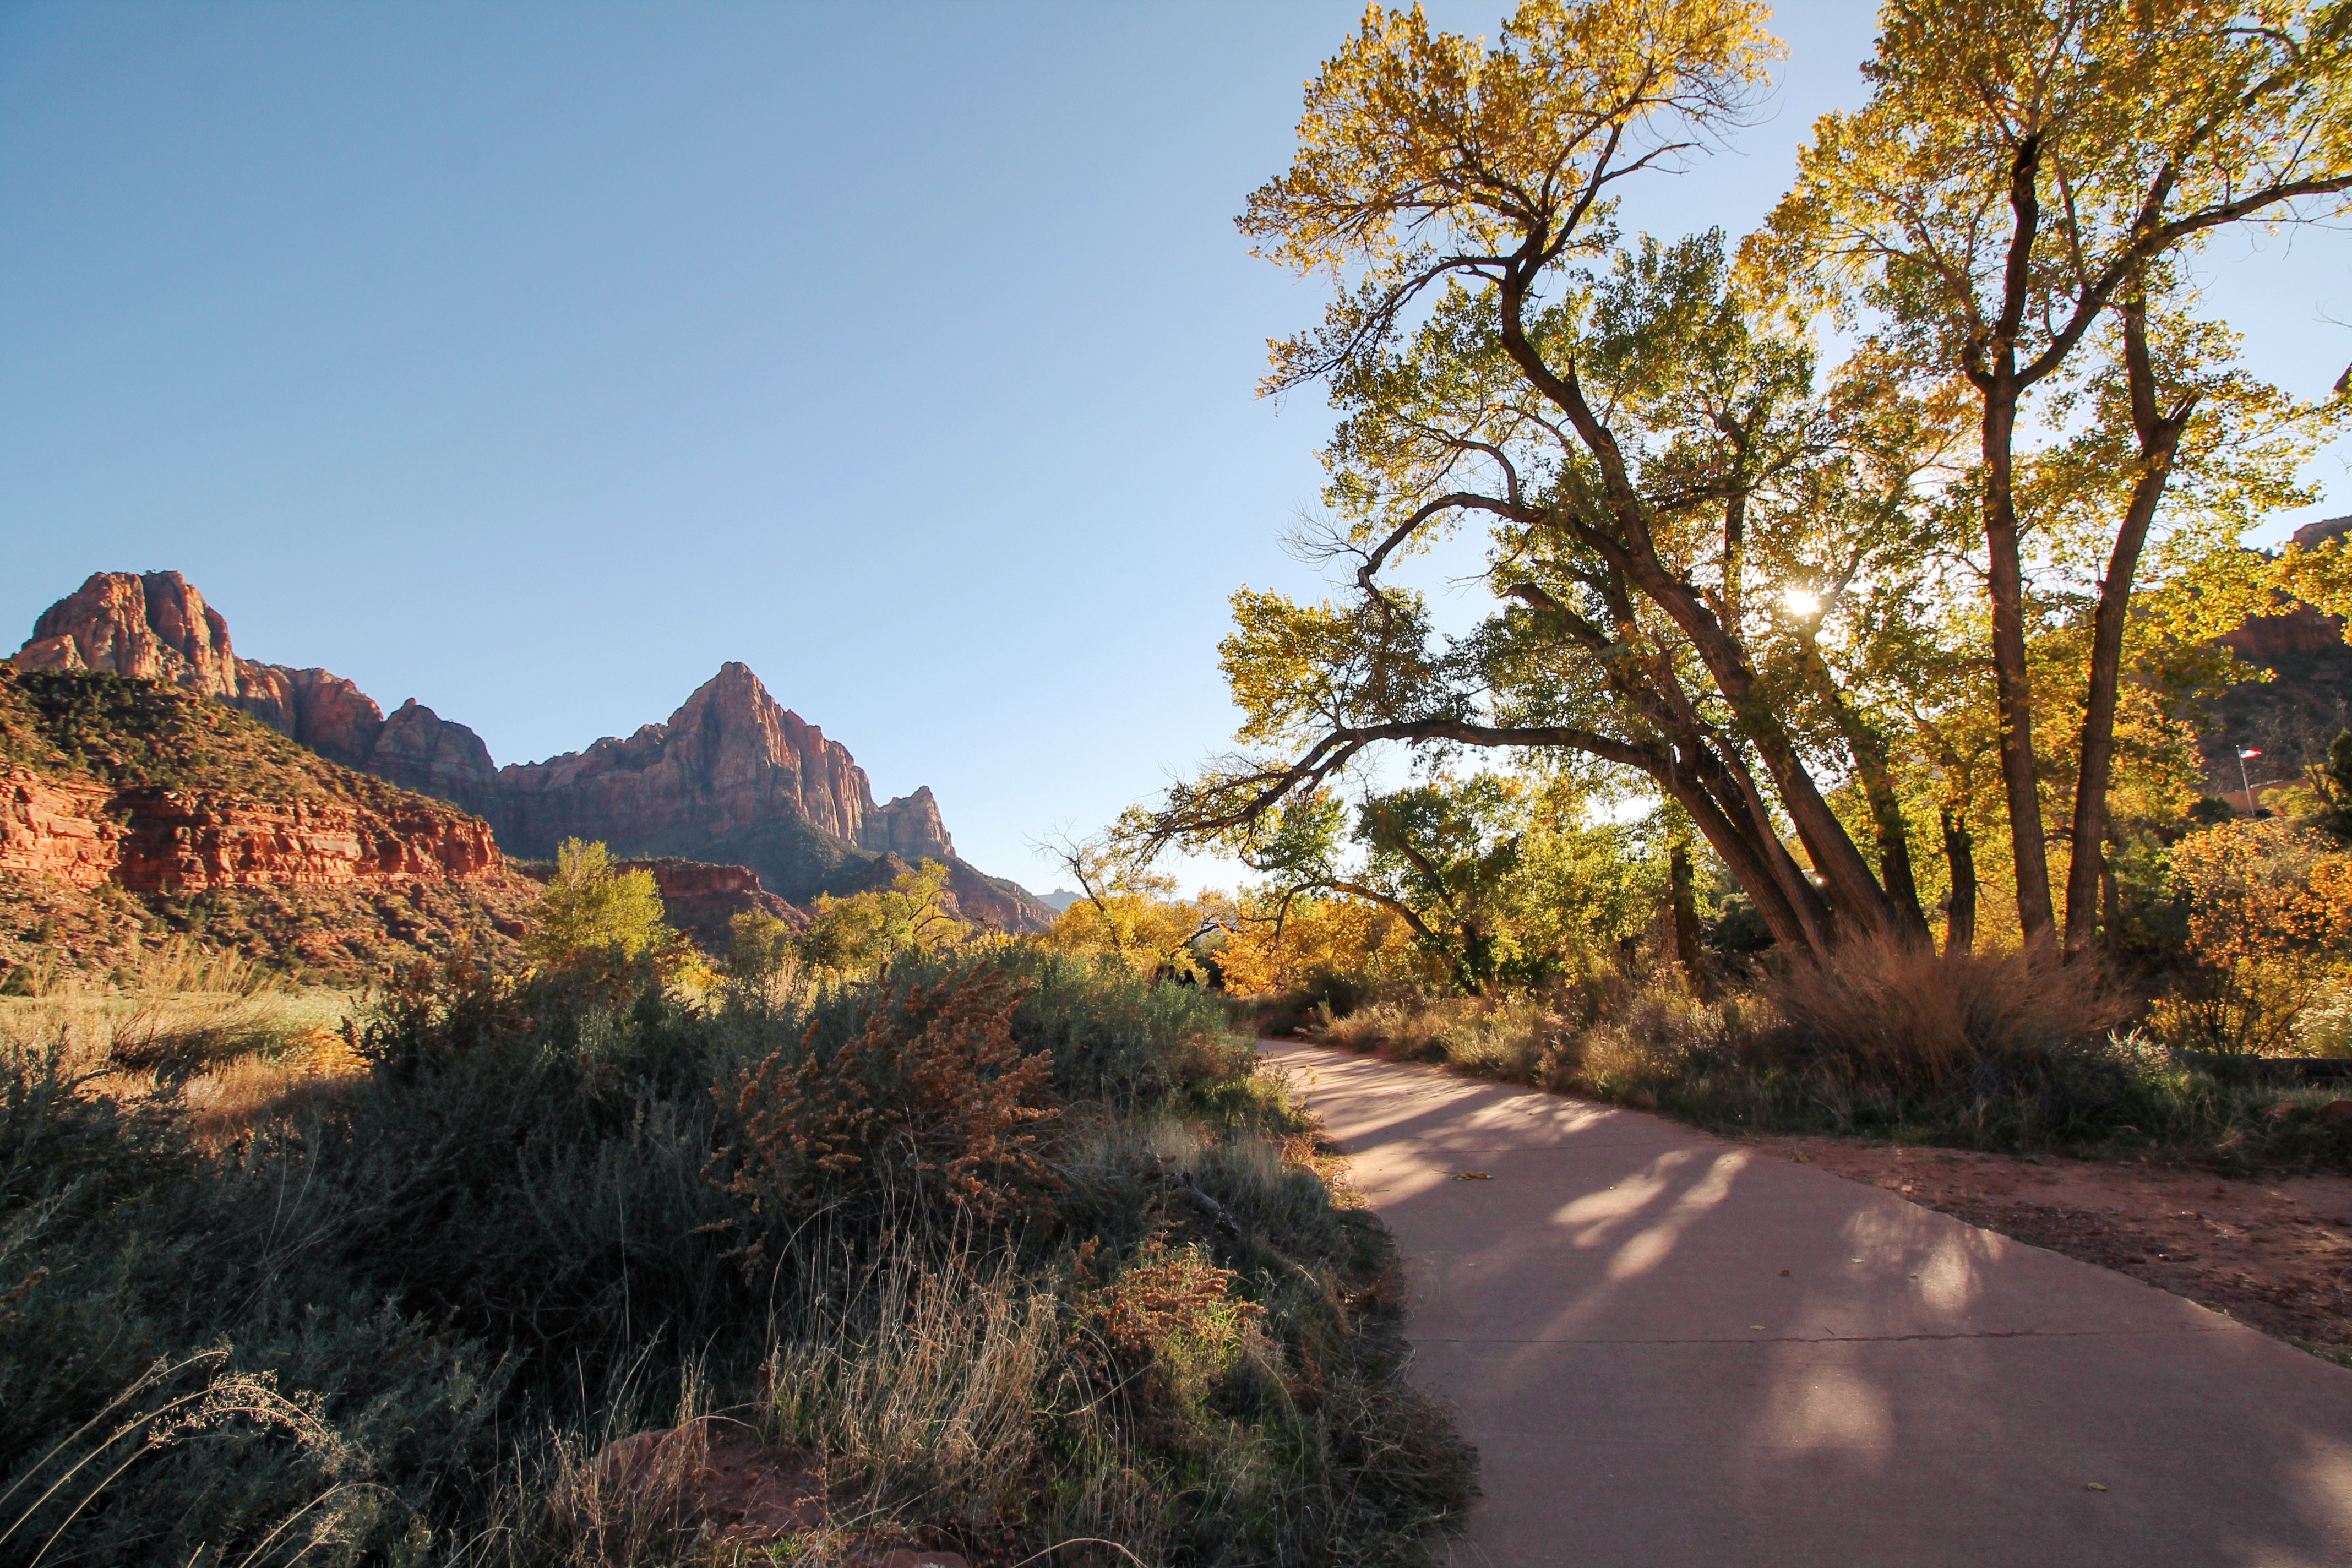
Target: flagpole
[(2248, 783)]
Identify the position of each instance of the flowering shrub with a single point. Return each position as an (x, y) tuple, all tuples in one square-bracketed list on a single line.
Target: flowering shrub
[(1168, 1318)]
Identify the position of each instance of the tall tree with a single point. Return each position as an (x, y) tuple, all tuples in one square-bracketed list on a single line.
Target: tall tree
[(2022, 169), (1654, 466)]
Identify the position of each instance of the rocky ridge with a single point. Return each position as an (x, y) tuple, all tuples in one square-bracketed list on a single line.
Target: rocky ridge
[(731, 776)]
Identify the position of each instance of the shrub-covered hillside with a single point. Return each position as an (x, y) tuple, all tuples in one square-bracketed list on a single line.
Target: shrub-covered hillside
[(134, 736)]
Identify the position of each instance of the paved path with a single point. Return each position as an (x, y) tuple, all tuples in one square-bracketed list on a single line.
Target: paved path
[(1671, 1349)]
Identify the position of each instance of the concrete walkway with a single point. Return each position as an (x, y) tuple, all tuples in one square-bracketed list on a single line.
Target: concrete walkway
[(1671, 1349)]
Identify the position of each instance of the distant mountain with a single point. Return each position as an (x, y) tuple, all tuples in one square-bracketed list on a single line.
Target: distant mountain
[(730, 777), (1059, 899)]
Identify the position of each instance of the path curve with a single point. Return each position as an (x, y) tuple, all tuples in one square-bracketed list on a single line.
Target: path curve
[(1671, 1349)]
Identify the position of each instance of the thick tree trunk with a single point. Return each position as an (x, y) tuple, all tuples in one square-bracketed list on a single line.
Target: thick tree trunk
[(1895, 860), (1804, 899), (1710, 782), (1847, 881), (1850, 886), (1886, 805), (1961, 912), (1746, 859), (2159, 439)]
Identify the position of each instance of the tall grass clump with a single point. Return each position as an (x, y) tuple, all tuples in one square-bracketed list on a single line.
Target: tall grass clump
[(1016, 1247), (1886, 1013)]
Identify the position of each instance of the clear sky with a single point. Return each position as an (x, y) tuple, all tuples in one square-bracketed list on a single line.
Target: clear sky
[(534, 359)]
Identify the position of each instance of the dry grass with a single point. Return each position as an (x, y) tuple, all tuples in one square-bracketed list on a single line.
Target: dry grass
[(917, 1384), (175, 1405), (1884, 1012), (1986, 1052), (205, 1026), (1506, 1037)]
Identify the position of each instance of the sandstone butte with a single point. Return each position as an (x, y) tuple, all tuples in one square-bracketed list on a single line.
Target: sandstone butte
[(731, 776)]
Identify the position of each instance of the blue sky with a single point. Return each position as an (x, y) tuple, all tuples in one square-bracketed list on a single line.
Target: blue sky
[(533, 360)]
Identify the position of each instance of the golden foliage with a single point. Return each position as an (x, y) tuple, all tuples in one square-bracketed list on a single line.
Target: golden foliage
[(1133, 913), (593, 912), (2269, 918), (1148, 933), (1404, 125), (1277, 950), (860, 933)]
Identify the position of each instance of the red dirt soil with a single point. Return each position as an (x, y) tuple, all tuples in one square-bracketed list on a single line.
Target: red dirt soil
[(2275, 1254)]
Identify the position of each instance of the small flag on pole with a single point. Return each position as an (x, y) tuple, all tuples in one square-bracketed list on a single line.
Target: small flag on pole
[(2248, 751)]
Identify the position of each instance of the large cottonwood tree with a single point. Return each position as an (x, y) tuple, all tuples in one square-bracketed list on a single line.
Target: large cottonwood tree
[(2025, 173), (1672, 497)]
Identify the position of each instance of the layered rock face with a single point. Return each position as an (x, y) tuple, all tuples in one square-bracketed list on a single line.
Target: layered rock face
[(703, 899), (733, 776), (161, 841), (729, 760)]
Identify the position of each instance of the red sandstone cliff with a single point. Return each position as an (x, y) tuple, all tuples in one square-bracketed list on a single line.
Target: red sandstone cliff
[(732, 775), (703, 899), (161, 841), (728, 760)]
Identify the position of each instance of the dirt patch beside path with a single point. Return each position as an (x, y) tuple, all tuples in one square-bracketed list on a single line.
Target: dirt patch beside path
[(2274, 1253)]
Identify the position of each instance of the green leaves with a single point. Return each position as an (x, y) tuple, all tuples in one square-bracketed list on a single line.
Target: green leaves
[(1297, 669), (593, 912)]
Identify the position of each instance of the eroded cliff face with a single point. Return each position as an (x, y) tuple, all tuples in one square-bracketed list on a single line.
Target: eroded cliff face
[(156, 626), (909, 827), (703, 899), (732, 775), (729, 759), (163, 841)]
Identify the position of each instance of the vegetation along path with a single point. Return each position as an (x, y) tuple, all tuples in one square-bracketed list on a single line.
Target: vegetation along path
[(1671, 1349)]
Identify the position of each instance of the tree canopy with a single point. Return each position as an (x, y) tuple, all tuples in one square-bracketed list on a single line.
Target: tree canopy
[(1812, 600)]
